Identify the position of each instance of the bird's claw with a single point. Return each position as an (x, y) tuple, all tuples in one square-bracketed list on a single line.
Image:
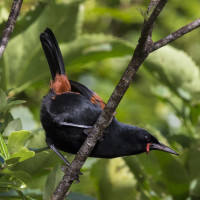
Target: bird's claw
[(64, 168), (75, 178), (86, 132)]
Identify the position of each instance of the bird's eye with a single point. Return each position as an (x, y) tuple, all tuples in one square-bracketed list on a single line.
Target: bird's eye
[(147, 138)]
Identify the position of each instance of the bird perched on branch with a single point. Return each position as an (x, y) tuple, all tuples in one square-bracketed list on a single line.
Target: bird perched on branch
[(70, 109)]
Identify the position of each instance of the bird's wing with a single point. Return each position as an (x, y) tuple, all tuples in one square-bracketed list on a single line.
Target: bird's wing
[(89, 94)]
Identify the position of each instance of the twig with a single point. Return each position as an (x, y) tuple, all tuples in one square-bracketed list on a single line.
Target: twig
[(141, 52), (175, 35), (152, 5), (16, 6)]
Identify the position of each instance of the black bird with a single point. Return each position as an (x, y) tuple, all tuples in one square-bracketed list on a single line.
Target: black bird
[(70, 109)]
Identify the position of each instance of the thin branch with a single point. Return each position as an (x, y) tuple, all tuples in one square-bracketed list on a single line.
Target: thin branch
[(175, 35), (152, 5), (16, 6), (148, 25), (144, 46), (107, 114)]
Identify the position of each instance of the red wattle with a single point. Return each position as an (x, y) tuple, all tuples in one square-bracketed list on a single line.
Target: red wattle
[(148, 148)]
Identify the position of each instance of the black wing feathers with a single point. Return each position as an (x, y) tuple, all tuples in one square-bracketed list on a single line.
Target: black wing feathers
[(77, 87), (86, 92), (52, 52)]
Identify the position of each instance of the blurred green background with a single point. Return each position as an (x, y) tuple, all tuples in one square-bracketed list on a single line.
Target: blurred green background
[(97, 39)]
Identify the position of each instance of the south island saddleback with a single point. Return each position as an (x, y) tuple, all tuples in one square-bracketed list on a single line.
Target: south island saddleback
[(70, 109)]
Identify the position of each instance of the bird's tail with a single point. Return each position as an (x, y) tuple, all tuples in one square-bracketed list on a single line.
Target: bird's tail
[(52, 52), (60, 83)]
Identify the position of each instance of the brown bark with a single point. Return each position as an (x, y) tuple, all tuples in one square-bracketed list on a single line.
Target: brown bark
[(16, 6)]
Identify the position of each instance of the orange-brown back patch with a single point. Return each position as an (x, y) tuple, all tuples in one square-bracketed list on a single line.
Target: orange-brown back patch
[(60, 84), (95, 99)]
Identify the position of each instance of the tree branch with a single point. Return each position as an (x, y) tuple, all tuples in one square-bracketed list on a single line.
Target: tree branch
[(16, 6), (175, 35), (141, 52)]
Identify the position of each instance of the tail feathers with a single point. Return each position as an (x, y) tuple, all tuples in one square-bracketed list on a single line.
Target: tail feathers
[(52, 52)]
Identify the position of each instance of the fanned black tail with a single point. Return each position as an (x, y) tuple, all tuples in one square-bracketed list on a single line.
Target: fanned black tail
[(52, 52)]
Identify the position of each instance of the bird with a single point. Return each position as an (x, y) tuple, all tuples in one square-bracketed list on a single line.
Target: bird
[(70, 109)]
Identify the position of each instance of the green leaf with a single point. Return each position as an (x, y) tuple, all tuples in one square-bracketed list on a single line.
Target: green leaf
[(14, 125), (37, 140), (8, 181), (17, 140), (12, 161), (18, 174), (39, 163), (5, 118), (13, 103), (23, 154), (25, 115), (52, 181), (3, 148), (177, 70), (3, 99), (39, 167)]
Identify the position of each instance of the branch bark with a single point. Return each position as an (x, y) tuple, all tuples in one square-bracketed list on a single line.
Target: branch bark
[(175, 35), (144, 48), (16, 6)]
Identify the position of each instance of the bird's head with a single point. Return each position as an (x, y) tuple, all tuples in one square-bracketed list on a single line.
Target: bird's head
[(146, 142)]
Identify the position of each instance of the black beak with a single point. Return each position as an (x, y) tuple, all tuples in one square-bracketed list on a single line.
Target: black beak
[(162, 147)]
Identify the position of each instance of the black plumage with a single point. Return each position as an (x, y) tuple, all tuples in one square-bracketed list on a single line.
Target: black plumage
[(70, 108)]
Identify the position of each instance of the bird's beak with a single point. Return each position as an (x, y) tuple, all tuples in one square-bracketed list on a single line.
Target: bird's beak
[(162, 147)]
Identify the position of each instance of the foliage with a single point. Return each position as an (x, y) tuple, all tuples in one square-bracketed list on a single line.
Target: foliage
[(97, 39), (12, 148)]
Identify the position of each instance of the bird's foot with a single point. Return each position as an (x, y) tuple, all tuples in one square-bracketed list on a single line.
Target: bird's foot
[(75, 177), (86, 131), (64, 168)]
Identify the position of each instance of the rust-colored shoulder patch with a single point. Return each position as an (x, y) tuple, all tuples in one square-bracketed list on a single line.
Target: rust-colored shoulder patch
[(60, 84), (97, 100)]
